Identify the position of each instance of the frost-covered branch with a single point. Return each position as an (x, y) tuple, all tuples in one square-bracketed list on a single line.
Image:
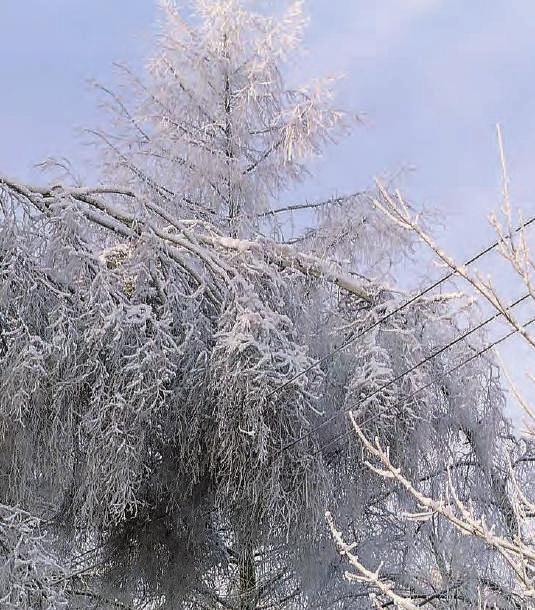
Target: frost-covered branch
[(395, 208), (30, 575), (446, 506), (362, 573), (166, 373)]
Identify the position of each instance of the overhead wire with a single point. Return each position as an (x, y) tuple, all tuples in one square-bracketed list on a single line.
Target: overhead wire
[(392, 313), (385, 318), (406, 372), (441, 376)]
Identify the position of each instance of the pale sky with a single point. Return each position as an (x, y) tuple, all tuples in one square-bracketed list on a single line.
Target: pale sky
[(431, 77)]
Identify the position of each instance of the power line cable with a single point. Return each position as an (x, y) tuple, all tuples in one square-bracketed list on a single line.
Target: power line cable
[(392, 313), (404, 374), (430, 383)]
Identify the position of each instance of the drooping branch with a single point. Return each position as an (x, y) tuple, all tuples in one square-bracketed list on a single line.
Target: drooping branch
[(129, 225)]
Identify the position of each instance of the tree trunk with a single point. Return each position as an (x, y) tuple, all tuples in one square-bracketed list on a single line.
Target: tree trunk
[(247, 578)]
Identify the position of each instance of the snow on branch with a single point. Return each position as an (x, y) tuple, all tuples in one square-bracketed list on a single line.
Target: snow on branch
[(129, 225), (518, 555), (30, 576)]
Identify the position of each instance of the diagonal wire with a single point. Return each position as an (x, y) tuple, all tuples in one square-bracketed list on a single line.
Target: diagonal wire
[(430, 383), (407, 372), (392, 313)]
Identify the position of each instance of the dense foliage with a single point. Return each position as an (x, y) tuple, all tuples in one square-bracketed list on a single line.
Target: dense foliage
[(170, 354)]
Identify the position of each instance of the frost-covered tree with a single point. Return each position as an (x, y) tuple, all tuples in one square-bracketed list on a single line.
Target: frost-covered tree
[(30, 576), (173, 386), (506, 579), (214, 131)]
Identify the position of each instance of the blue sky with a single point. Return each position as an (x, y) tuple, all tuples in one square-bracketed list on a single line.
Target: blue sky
[(432, 78)]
